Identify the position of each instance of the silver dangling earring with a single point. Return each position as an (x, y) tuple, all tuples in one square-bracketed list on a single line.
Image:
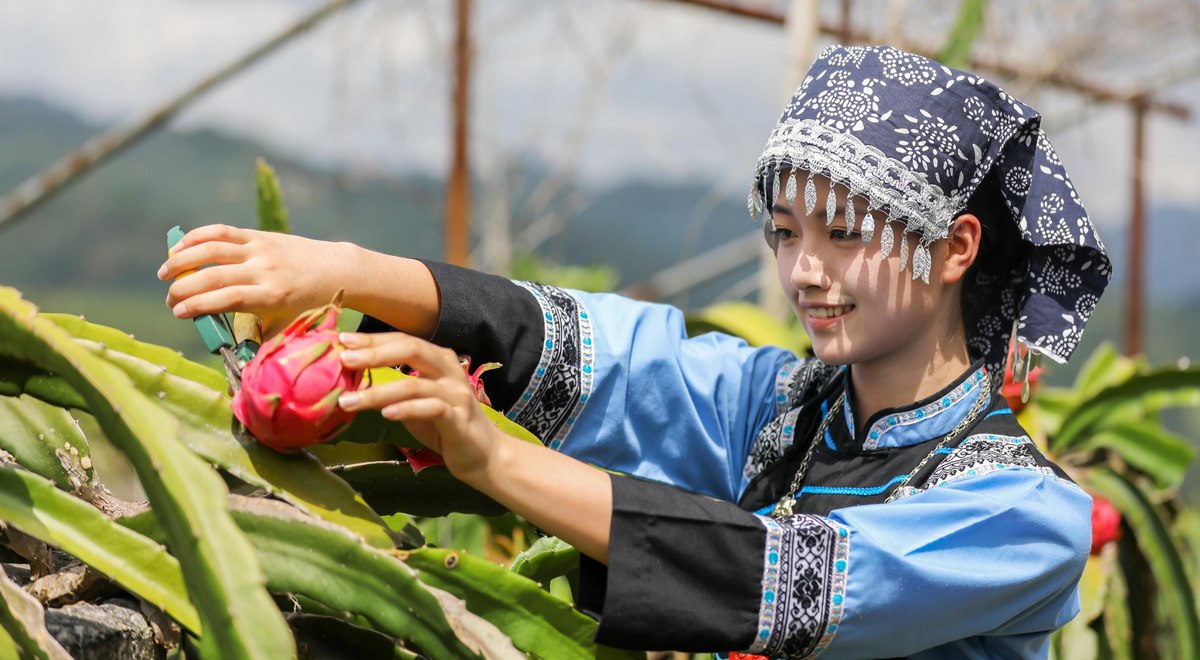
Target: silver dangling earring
[(922, 262)]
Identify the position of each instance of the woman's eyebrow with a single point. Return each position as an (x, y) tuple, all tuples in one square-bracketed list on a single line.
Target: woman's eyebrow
[(779, 208)]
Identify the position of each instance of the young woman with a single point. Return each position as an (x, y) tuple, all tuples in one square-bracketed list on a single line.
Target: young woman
[(878, 499)]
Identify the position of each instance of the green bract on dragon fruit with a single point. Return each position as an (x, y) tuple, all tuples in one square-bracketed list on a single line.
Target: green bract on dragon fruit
[(290, 390)]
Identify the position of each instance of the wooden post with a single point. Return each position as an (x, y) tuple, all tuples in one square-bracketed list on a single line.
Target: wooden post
[(458, 188), (1137, 232)]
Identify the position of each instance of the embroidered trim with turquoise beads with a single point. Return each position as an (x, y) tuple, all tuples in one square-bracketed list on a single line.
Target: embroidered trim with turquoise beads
[(983, 453), (783, 384), (837, 590), (801, 551), (539, 373), (770, 584), (587, 367), (885, 424), (561, 383)]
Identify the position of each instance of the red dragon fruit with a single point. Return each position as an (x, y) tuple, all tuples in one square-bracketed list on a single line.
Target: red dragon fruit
[(290, 390), (1106, 524), (424, 457)]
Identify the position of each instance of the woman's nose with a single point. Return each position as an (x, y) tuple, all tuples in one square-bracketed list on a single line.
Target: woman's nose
[(809, 272)]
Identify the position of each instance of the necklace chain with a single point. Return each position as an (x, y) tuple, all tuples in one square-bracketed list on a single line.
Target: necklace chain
[(985, 395), (787, 504)]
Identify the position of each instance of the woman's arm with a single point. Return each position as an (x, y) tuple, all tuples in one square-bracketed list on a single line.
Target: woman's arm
[(277, 276), (615, 382), (979, 566), (611, 381)]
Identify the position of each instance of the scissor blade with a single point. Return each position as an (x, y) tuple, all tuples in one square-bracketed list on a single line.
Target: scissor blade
[(233, 370)]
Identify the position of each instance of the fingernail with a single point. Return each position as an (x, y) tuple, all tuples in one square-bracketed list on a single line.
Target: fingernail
[(349, 338), (349, 400), (351, 357), (180, 310), (162, 272)]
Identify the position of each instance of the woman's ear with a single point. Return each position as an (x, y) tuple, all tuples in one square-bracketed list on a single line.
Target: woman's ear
[(962, 247)]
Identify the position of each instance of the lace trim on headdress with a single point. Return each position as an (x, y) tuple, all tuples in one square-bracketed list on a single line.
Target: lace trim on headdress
[(886, 183)]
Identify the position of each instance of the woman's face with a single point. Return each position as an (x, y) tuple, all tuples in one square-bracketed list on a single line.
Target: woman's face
[(856, 305)]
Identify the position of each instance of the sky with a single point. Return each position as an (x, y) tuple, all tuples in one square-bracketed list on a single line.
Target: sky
[(606, 92)]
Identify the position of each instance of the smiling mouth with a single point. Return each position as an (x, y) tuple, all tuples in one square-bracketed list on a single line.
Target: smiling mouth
[(829, 312)]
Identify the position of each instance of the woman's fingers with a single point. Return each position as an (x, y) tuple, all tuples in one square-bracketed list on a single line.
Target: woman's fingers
[(368, 350), (237, 298), (192, 258), (417, 410), (385, 394), (210, 244), (208, 280), (218, 232)]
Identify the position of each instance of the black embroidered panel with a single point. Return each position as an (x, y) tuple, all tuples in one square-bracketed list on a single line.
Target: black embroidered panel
[(847, 476), (799, 384), (804, 583), (562, 379)]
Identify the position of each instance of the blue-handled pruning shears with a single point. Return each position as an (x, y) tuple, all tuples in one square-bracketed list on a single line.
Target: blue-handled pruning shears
[(217, 332)]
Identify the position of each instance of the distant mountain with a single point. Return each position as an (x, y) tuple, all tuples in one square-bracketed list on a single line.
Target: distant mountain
[(108, 229)]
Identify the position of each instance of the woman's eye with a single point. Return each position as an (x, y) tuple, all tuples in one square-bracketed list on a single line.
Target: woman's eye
[(843, 235), (774, 234), (781, 233)]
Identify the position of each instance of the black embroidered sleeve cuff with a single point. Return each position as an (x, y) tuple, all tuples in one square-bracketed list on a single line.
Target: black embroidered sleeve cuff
[(684, 572), (805, 562), (690, 573), (542, 335), (562, 380)]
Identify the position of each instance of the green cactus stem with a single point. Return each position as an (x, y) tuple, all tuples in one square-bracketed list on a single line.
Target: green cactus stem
[(42, 437), (137, 563), (194, 395), (272, 214), (226, 586)]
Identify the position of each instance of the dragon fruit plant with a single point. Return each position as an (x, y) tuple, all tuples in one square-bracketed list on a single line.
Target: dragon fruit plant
[(290, 390)]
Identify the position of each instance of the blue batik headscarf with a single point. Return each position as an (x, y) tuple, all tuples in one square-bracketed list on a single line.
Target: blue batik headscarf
[(915, 140)]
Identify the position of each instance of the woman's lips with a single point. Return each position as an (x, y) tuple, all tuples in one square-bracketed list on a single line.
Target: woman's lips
[(823, 318)]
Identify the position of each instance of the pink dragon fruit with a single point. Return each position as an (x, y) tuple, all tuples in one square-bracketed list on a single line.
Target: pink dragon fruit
[(424, 457), (1106, 524), (290, 390)]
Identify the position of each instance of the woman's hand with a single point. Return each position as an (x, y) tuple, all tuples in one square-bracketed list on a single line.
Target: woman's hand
[(555, 492), (278, 276), (274, 276), (439, 407)]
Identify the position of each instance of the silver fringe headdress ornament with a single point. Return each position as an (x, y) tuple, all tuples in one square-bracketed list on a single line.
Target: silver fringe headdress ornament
[(915, 140)]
